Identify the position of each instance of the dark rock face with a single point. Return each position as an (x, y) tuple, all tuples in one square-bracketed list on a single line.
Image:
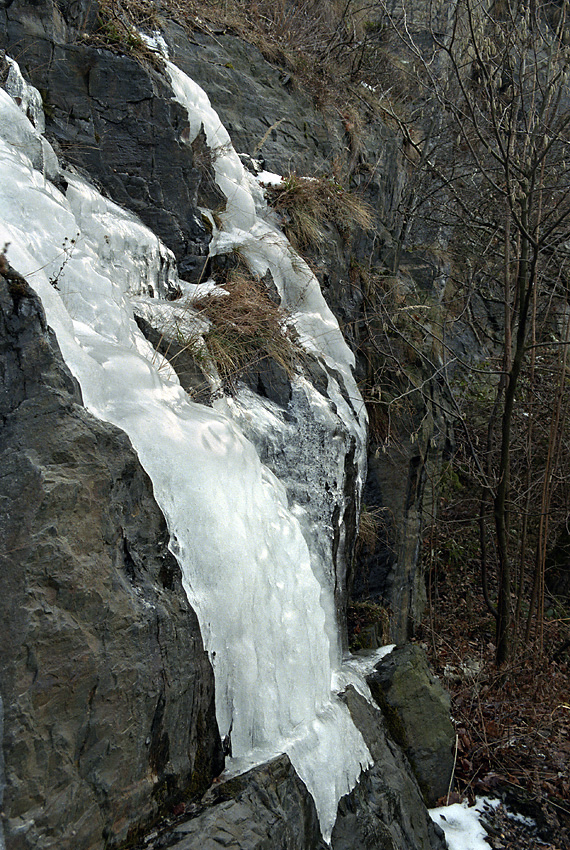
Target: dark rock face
[(108, 695), (267, 118), (114, 117), (417, 711), (389, 571), (267, 808), (385, 810)]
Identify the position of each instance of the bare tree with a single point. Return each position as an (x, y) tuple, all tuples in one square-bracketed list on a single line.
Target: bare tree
[(496, 75)]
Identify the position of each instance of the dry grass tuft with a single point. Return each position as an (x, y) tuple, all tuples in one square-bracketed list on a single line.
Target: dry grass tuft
[(308, 204), (368, 625), (246, 327), (371, 527), (118, 27)]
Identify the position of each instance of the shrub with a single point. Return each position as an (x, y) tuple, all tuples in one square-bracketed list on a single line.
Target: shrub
[(245, 327)]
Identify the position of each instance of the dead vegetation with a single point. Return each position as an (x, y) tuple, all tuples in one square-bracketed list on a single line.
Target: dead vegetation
[(307, 205), (118, 27), (245, 327), (513, 724), (327, 49)]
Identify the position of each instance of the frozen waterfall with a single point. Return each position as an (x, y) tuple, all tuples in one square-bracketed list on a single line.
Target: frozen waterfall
[(264, 614)]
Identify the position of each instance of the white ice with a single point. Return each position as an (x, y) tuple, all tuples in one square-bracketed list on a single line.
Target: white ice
[(356, 668), (266, 249), (246, 565), (27, 97)]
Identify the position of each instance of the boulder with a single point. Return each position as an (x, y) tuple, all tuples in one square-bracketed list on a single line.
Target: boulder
[(416, 708), (269, 807), (385, 810), (266, 808)]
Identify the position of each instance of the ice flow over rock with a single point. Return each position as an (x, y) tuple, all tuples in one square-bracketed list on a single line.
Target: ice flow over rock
[(247, 570)]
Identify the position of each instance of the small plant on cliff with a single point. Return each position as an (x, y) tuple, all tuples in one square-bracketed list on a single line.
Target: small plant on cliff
[(246, 326), (119, 26), (307, 204), (368, 625)]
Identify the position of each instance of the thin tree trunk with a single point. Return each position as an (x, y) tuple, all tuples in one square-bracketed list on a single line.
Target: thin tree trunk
[(525, 285)]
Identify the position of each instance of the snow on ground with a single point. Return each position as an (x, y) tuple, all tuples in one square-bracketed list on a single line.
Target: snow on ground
[(462, 823), (461, 826)]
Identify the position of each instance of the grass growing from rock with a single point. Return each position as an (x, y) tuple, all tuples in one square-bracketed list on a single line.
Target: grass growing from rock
[(368, 625), (308, 204), (326, 49), (245, 326)]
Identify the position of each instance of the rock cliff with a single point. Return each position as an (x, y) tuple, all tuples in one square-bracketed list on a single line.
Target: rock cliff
[(114, 117), (108, 694)]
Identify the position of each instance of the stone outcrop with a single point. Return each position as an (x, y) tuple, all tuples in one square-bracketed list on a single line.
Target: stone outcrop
[(269, 808), (108, 694), (416, 708), (385, 810), (113, 116)]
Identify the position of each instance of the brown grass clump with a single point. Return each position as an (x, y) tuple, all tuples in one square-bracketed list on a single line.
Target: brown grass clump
[(118, 27), (308, 204), (246, 327)]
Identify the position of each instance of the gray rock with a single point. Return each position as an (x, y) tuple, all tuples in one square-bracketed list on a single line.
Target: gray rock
[(115, 118), (416, 708), (389, 572), (267, 808), (191, 376), (108, 694), (268, 118), (385, 811)]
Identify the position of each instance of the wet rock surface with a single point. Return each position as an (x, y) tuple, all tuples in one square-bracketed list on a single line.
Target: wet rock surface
[(385, 810), (267, 808), (97, 752), (416, 708), (107, 692)]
